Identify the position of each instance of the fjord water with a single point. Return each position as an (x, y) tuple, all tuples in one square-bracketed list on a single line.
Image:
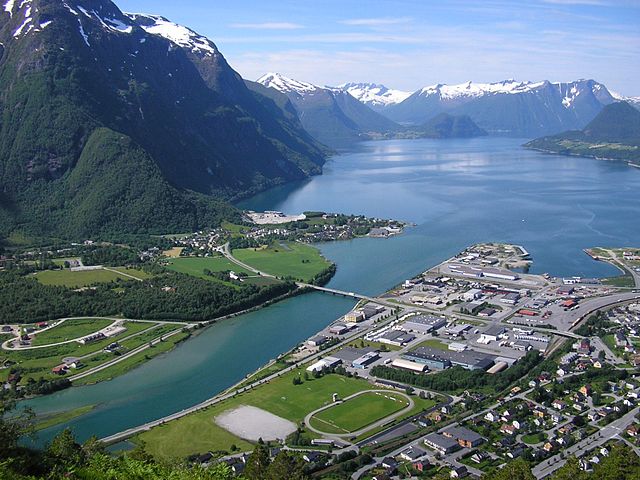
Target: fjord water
[(457, 192)]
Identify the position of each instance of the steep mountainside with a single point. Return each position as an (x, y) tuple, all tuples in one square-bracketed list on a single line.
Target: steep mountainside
[(374, 95), (614, 134), (330, 115), (86, 88), (509, 108)]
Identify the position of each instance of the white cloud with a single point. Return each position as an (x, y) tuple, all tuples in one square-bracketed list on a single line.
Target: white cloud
[(268, 26), (376, 22)]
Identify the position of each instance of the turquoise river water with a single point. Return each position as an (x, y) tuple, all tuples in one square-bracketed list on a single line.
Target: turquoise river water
[(456, 192)]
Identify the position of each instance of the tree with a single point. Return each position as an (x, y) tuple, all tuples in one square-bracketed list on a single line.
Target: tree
[(64, 453), (258, 463), (285, 467), (517, 470)]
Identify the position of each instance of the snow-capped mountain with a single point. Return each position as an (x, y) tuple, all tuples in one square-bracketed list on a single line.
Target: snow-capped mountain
[(287, 85), (509, 107), (331, 115), (375, 95), (130, 121)]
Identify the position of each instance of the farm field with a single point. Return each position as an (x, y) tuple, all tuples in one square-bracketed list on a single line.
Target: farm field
[(288, 259), (70, 330), (358, 412), (195, 266), (67, 278)]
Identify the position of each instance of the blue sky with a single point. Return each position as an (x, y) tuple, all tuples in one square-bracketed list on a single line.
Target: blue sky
[(408, 44)]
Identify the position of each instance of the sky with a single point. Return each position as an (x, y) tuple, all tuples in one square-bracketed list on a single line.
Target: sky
[(409, 44)]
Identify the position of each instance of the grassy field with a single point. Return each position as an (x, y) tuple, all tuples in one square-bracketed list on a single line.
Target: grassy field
[(71, 329), (67, 278), (62, 417), (434, 343), (195, 266), (377, 345), (357, 413), (133, 272), (199, 433), (60, 261), (620, 281), (173, 253), (290, 259), (38, 363)]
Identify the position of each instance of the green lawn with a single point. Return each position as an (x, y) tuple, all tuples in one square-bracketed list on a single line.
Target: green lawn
[(134, 272), (359, 412), (198, 432), (195, 266), (435, 343), (70, 330), (290, 259), (620, 281), (60, 261), (533, 438), (61, 417), (67, 278)]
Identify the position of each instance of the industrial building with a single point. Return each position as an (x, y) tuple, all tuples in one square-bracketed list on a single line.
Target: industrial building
[(456, 330), (441, 359), (480, 272), (327, 362), (397, 338), (354, 317), (339, 329), (365, 360), (409, 365), (491, 334), (349, 355), (317, 341), (423, 324), (441, 443), (465, 437)]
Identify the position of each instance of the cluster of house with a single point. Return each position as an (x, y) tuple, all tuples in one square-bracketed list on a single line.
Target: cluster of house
[(628, 319)]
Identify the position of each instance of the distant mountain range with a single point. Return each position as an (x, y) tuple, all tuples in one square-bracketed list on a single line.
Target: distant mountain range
[(613, 134), (509, 107), (117, 122), (331, 115)]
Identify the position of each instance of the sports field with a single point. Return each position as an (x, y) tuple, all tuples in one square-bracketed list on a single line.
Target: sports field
[(67, 278), (71, 329), (292, 259), (358, 412), (199, 432), (195, 266)]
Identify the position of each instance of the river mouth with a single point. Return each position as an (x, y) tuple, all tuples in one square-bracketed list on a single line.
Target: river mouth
[(457, 192)]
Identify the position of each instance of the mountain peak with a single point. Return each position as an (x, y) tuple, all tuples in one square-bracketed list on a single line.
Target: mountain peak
[(374, 94), (284, 84), (178, 34)]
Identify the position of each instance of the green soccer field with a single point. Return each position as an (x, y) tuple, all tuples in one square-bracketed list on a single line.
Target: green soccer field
[(359, 412)]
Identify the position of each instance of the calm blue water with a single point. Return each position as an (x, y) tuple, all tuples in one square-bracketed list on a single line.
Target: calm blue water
[(457, 192)]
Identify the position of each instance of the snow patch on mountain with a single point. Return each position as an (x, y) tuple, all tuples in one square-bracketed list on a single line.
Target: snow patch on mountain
[(287, 85), (178, 34), (8, 6), (472, 90), (374, 94), (26, 25), (568, 100)]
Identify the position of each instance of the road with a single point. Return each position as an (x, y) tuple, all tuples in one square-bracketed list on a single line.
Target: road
[(127, 355), (6, 345), (120, 436), (599, 438)]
